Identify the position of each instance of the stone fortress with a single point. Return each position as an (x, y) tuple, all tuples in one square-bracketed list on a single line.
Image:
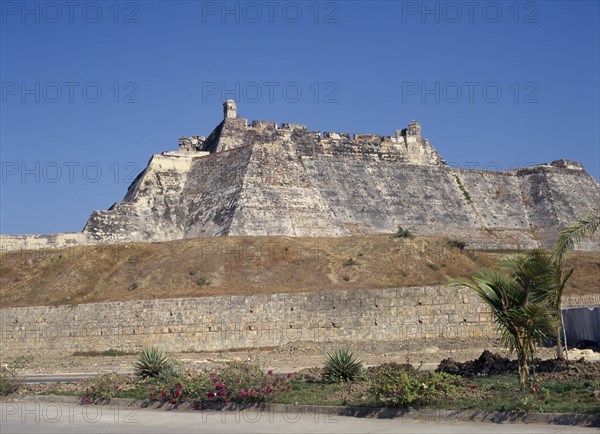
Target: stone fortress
[(264, 178)]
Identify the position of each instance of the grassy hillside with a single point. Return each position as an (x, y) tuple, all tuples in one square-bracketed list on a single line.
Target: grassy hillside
[(245, 265)]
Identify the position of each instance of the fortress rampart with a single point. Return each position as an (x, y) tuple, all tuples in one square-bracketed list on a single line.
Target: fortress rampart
[(265, 178)]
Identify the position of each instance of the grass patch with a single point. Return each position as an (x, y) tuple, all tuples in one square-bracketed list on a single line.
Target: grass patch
[(493, 393)]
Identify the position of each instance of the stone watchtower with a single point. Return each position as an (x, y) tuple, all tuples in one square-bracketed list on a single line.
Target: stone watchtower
[(230, 109), (414, 129)]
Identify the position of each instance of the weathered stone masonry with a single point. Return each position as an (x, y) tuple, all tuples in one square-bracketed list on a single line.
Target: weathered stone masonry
[(218, 323), (263, 178)]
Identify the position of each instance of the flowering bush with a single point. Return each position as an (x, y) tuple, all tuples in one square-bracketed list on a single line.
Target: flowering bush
[(235, 382), (104, 387)]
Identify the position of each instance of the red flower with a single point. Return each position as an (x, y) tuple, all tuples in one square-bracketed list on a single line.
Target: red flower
[(270, 372), (218, 386), (225, 400), (536, 387), (179, 386), (220, 393), (177, 393), (173, 401), (289, 375), (163, 395), (210, 395), (473, 387)]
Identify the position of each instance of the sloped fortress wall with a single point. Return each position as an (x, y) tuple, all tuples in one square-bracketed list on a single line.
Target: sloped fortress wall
[(261, 178)]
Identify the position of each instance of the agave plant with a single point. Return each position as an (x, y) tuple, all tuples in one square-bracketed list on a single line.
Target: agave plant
[(342, 365), (151, 362)]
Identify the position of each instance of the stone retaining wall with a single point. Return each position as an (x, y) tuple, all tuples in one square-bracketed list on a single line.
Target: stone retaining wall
[(228, 322)]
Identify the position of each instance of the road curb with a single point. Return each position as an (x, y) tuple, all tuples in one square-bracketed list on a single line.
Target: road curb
[(293, 411)]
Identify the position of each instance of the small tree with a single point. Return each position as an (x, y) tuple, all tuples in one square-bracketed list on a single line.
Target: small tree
[(519, 298)]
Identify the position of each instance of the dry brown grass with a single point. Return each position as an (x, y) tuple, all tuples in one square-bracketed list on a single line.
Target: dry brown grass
[(245, 265)]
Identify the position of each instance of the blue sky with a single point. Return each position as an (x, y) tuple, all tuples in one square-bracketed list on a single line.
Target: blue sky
[(90, 91)]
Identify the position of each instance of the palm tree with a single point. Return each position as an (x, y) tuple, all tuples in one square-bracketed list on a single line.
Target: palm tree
[(519, 298), (568, 238)]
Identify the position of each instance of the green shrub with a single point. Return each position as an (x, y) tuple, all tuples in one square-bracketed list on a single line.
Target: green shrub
[(349, 262), (404, 233), (201, 281), (8, 384), (153, 362), (400, 387), (102, 388), (342, 365), (9, 375), (459, 244)]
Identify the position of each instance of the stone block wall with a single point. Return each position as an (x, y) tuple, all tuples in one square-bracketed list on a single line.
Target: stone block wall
[(230, 322)]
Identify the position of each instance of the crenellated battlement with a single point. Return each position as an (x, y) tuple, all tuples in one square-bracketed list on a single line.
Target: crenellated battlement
[(406, 146)]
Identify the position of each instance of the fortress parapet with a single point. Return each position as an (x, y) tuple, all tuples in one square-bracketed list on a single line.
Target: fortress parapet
[(264, 125), (191, 144)]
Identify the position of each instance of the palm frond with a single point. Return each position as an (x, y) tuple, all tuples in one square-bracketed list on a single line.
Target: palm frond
[(573, 234)]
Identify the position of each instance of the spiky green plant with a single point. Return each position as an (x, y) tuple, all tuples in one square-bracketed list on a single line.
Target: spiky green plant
[(342, 365), (151, 362)]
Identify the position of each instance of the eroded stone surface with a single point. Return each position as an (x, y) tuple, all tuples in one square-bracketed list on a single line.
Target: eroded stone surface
[(261, 178)]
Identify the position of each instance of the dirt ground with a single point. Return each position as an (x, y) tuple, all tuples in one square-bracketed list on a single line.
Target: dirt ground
[(247, 265), (288, 358)]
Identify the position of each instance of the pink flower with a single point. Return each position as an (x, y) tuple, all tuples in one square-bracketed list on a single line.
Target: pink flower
[(225, 400), (238, 381), (218, 386), (270, 372), (220, 393), (289, 375)]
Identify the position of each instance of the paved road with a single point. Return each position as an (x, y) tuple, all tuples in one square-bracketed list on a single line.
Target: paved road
[(39, 417)]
